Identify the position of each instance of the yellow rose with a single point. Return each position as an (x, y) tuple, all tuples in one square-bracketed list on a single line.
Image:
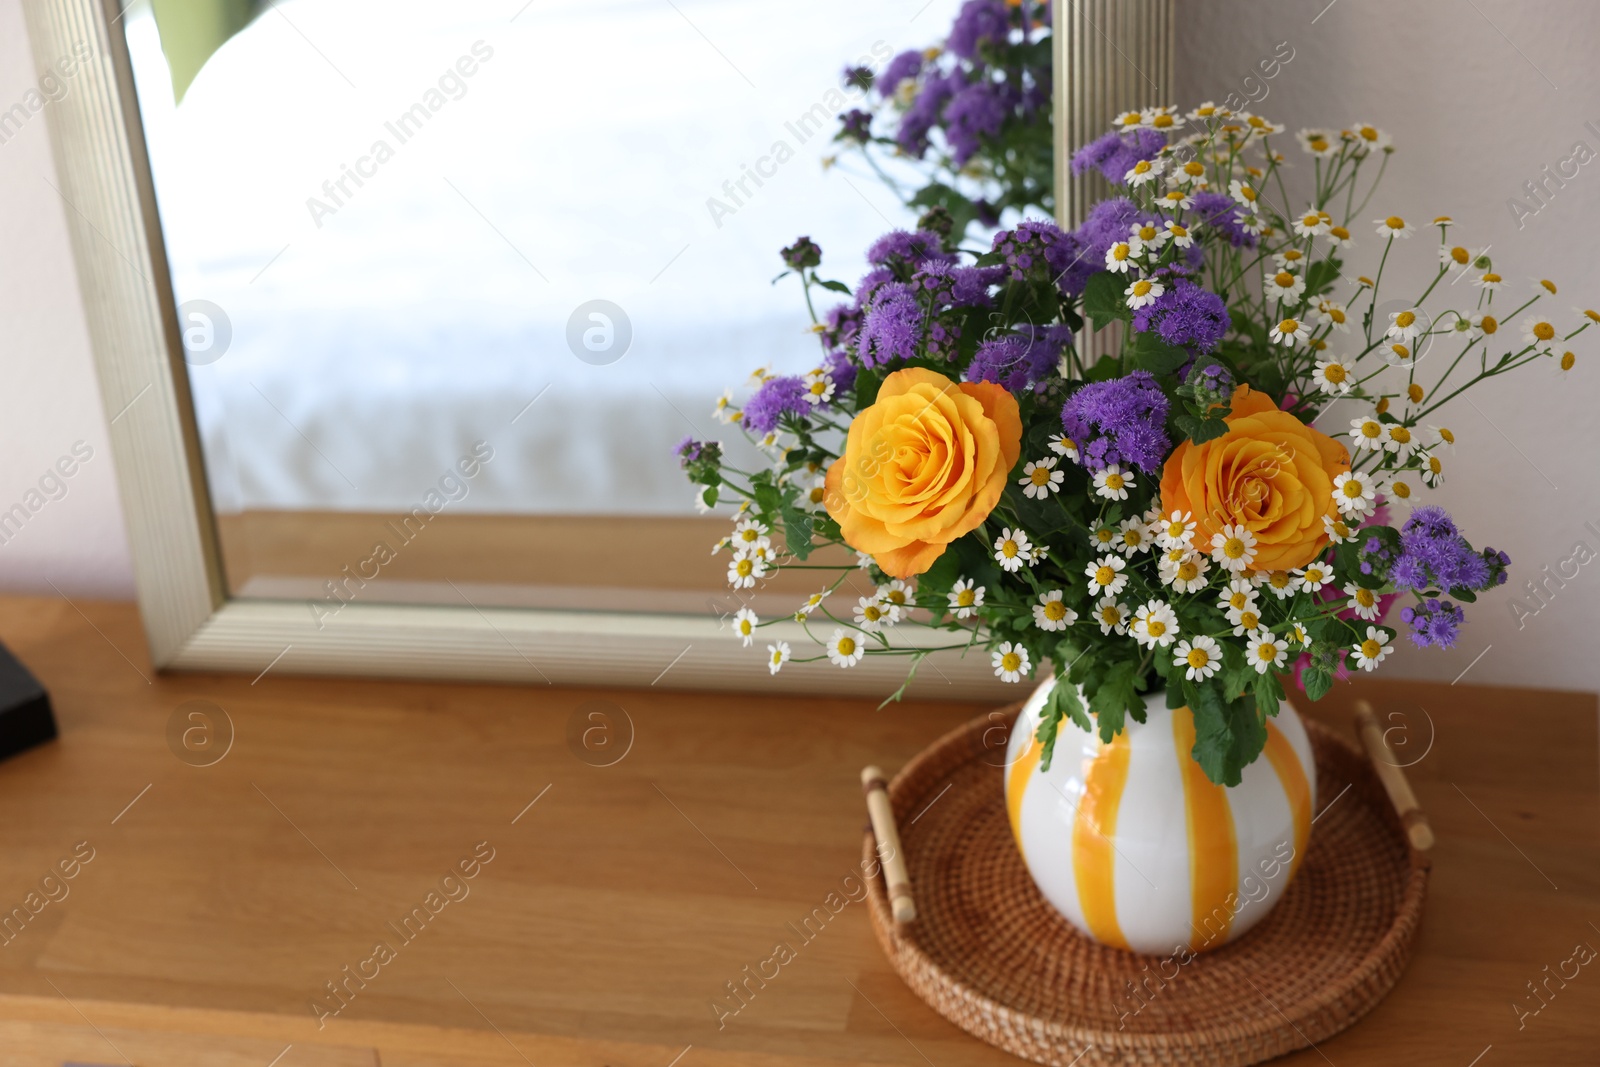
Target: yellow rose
[(1270, 473), (922, 466)]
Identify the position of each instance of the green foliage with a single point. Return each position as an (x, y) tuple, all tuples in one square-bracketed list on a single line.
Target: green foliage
[(1153, 354), (1103, 302), (1228, 734)]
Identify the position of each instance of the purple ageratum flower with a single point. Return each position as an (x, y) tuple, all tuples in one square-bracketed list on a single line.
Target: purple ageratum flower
[(1498, 562), (855, 125), (1115, 154), (907, 64), (913, 248), (1434, 622), (838, 367), (1020, 361), (945, 284), (1120, 421), (1027, 248), (1222, 214), (924, 112), (840, 324), (1433, 553), (1185, 316), (974, 113), (977, 22), (892, 328), (777, 397), (690, 451)]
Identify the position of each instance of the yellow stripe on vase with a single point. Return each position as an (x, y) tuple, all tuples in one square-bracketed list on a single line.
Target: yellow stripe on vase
[(1093, 858), (1213, 845), (1295, 786), (1017, 777)]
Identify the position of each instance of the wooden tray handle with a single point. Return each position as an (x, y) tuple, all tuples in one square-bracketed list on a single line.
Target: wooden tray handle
[(895, 876), (1393, 778)]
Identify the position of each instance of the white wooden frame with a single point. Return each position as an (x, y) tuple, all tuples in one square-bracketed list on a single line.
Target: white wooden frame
[(190, 622)]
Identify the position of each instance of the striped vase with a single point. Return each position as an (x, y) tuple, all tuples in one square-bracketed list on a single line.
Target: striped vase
[(1137, 848)]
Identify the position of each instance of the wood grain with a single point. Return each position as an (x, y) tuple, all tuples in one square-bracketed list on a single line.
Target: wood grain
[(620, 904)]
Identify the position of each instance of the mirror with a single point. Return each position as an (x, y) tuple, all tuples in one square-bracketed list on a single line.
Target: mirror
[(453, 279)]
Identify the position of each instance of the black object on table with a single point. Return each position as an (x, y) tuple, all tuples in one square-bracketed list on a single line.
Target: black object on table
[(25, 716)]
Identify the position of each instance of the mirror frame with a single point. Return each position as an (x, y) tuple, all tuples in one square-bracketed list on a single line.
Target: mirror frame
[(190, 621)]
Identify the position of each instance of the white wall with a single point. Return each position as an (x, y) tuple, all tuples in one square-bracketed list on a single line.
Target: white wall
[(1473, 120)]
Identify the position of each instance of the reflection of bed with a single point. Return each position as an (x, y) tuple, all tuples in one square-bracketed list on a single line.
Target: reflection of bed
[(374, 345)]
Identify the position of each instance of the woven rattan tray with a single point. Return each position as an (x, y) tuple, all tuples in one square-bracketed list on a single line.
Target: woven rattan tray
[(991, 955)]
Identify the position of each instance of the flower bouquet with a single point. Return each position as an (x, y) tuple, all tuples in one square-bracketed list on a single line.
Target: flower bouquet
[(1191, 515), (976, 112)]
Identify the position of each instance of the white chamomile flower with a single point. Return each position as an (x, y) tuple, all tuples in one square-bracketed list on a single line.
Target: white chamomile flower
[(1234, 548), (1040, 478), (1177, 530), (1370, 139), (1252, 223), (744, 625), (1370, 653), (1150, 235), (1289, 259), (1406, 325), (1208, 111), (1188, 575), (1165, 119), (813, 602), (1333, 377), (898, 595), (746, 570), (864, 560), (1299, 634), (1337, 529), (1144, 171), (966, 598), (748, 534), (844, 649), (1312, 224), (1062, 445), (873, 615), (1051, 613), (1432, 470), (1155, 624), (1284, 584), (1489, 281), (1538, 332), (814, 492), (1113, 483), (819, 388), (1313, 576), (1265, 652), (1464, 327), (1339, 237), (1439, 439), (1120, 256), (1367, 433), (1012, 550), (1105, 575), (1364, 602), (777, 656), (1180, 236), (1111, 616), (724, 411), (1245, 621), (1202, 657), (1332, 313), (1454, 257), (1354, 493), (1318, 143), (1142, 292), (1128, 120), (1291, 332), (1133, 536), (1244, 193), (1399, 440), (1011, 662), (1285, 286), (1103, 536), (1189, 175), (1393, 226), (1240, 596), (1261, 127)]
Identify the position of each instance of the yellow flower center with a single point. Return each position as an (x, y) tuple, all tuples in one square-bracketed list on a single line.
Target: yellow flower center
[(818, 494), (1313, 574), (1141, 287), (1238, 601), (1415, 392), (1249, 620), (1434, 466), (1353, 488), (1370, 648), (1592, 315), (1340, 530), (1111, 616), (1395, 222), (1460, 255), (1040, 476), (1404, 319), (1010, 661), (1318, 144), (1402, 490), (871, 613), (965, 598), (1549, 285), (1147, 233), (1055, 611), (1177, 231), (1311, 220), (1009, 549), (1104, 576), (1188, 571), (1283, 279), (1120, 252), (744, 567), (847, 646), (1341, 233), (896, 596), (1337, 315), (1365, 598), (819, 387), (1543, 331), (1335, 373), (1491, 278), (1292, 256), (1266, 652), (1247, 192), (1132, 538), (1176, 529), (1105, 535), (1446, 435), (1233, 548), (1400, 434), (1368, 133), (1193, 169), (1199, 657), (1489, 324), (1114, 481), (1371, 429), (1400, 350), (1142, 167), (1155, 627), (1289, 326), (1278, 579), (1162, 122), (777, 657), (1568, 360)]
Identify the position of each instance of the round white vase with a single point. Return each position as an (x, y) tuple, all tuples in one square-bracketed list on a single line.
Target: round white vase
[(1136, 847)]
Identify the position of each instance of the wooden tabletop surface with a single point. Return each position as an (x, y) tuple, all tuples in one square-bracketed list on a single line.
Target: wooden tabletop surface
[(609, 905)]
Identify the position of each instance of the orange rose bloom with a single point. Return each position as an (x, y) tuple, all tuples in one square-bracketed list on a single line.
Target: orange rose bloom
[(1270, 473), (922, 466)]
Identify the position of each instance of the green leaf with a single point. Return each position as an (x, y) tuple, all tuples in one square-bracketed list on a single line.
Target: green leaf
[(1111, 698), (1317, 680), (1321, 276), (1103, 300), (1201, 430), (1463, 594), (831, 285), (1268, 692), (797, 527), (1228, 735), (1064, 703), (1153, 354)]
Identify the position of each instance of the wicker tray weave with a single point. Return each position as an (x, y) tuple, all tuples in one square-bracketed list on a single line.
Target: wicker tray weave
[(990, 954)]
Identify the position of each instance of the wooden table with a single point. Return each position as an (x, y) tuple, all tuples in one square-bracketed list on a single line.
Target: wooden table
[(620, 899)]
